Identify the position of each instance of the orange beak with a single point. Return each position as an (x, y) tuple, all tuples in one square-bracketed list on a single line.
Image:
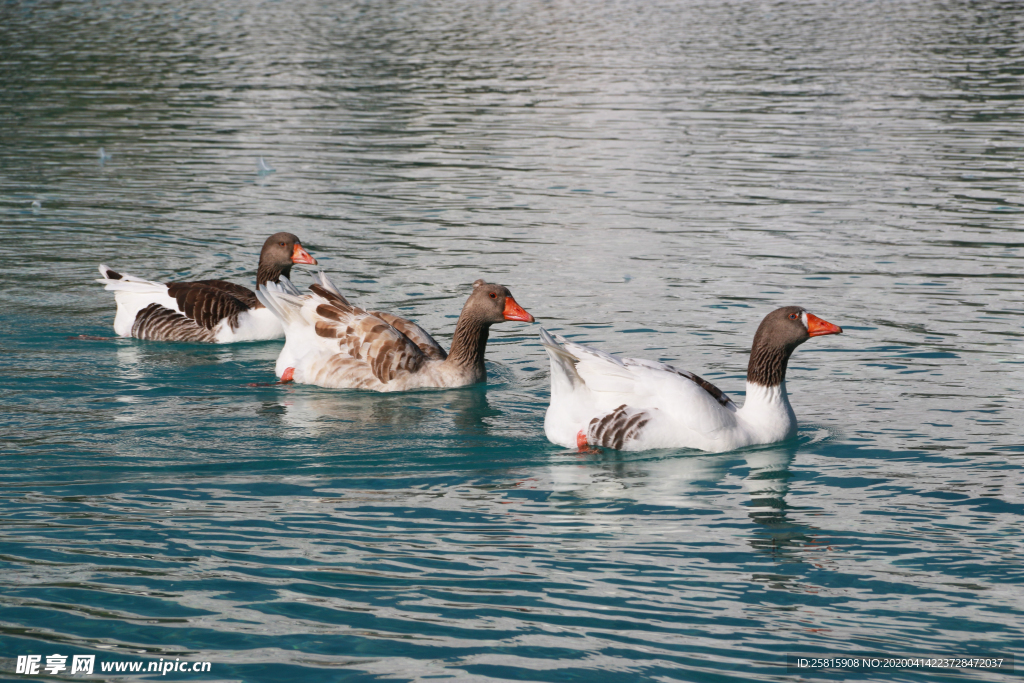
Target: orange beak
[(514, 311), (300, 255), (817, 327)]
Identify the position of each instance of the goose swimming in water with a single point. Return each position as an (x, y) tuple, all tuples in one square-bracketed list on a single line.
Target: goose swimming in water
[(333, 344), (633, 404), (212, 311)]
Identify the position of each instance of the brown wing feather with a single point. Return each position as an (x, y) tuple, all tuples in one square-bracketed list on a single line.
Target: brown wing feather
[(707, 386), (420, 337), (365, 337), (207, 302), (243, 294), (156, 323), (614, 429), (334, 298), (341, 372)]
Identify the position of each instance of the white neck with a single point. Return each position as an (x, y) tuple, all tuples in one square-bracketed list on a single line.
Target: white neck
[(767, 411)]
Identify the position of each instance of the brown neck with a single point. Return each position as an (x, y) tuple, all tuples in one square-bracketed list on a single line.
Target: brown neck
[(768, 361), (468, 344), (265, 273)]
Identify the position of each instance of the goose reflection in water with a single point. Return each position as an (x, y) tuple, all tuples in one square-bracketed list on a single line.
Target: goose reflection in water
[(671, 480), (166, 382), (683, 482), (370, 416)]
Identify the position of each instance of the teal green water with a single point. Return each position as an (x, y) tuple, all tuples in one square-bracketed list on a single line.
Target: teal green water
[(648, 177)]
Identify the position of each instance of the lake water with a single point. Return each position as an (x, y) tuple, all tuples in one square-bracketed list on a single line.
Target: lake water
[(648, 177)]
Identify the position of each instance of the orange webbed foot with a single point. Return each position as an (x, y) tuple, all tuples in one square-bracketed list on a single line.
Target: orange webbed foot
[(582, 445)]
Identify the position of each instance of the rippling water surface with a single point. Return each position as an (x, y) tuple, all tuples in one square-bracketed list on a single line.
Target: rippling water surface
[(649, 177)]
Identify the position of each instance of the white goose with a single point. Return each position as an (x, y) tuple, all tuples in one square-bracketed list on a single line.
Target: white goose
[(331, 343), (205, 310), (632, 404)]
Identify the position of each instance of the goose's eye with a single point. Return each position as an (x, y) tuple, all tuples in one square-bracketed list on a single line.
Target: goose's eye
[(794, 316), (494, 295)]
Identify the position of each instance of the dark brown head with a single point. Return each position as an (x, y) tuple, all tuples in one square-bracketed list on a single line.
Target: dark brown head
[(494, 303), (279, 253), (283, 249), (488, 304), (777, 337)]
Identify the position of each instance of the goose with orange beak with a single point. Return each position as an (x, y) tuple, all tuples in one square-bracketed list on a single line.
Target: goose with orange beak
[(214, 311), (634, 404), (331, 343)]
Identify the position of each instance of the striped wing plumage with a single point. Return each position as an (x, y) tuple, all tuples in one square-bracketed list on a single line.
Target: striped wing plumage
[(361, 347), (208, 302), (420, 337)]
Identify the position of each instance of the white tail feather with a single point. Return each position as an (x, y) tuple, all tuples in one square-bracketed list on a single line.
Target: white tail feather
[(564, 377), (289, 287), (129, 283), (288, 303), (280, 300)]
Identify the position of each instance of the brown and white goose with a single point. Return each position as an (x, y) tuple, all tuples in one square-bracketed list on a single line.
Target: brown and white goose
[(205, 310), (331, 343), (632, 404)]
